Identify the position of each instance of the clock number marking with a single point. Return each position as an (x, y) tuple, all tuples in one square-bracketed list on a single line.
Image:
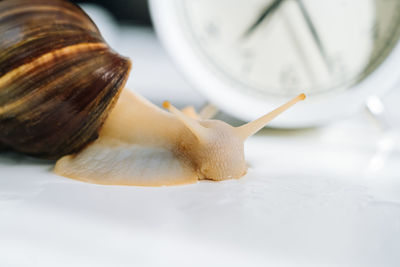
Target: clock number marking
[(288, 78), (212, 30)]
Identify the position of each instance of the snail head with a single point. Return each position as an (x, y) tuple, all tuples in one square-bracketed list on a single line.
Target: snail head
[(217, 150)]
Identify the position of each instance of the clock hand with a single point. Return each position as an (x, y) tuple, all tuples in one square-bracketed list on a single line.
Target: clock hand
[(267, 11), (314, 33)]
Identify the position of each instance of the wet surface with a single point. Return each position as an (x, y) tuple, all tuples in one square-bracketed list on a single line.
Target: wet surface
[(307, 198)]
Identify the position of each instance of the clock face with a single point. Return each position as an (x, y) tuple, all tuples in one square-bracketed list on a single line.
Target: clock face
[(284, 47)]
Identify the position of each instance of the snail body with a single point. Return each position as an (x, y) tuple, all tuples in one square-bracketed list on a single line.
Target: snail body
[(62, 97), (141, 144)]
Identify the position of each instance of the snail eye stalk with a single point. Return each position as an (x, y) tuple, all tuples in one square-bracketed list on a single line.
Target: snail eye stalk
[(249, 129), (198, 130)]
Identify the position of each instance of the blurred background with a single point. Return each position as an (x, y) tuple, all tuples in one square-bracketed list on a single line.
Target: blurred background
[(128, 12), (127, 26)]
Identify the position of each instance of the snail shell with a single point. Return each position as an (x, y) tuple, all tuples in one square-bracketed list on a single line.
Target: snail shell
[(58, 78)]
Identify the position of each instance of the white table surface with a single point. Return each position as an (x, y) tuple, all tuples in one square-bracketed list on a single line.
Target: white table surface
[(318, 197)]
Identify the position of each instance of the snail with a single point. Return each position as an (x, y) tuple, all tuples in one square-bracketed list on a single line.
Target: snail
[(62, 97)]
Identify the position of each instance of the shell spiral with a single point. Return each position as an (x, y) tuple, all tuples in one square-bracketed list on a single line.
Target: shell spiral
[(58, 78)]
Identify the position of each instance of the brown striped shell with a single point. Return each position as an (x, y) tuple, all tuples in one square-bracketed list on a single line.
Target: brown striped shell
[(58, 78)]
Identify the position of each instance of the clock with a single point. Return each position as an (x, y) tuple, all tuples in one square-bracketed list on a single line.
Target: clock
[(249, 56)]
